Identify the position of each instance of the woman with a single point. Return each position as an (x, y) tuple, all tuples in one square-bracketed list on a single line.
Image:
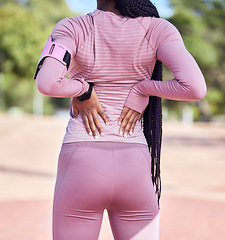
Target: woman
[(117, 48)]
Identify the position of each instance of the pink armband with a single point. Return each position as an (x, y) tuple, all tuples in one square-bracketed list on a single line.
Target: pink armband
[(54, 50)]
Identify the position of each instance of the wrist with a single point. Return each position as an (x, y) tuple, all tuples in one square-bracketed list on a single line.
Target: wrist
[(87, 94), (136, 101)]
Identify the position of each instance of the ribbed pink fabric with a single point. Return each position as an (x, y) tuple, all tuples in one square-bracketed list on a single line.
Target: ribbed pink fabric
[(118, 54)]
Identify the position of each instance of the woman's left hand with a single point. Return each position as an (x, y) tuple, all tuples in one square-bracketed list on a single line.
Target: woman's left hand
[(127, 121)]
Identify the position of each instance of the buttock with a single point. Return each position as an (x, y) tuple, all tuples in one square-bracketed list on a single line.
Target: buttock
[(119, 172), (93, 177)]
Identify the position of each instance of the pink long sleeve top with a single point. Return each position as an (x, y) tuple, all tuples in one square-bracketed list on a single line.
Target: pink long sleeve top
[(118, 55)]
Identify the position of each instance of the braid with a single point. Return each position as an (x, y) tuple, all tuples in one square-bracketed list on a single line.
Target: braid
[(152, 117), (137, 8)]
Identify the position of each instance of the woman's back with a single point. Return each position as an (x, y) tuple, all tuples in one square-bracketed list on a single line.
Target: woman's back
[(113, 52)]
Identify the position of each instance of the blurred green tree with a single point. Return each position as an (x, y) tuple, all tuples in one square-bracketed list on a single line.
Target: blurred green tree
[(26, 24), (201, 24), (24, 28)]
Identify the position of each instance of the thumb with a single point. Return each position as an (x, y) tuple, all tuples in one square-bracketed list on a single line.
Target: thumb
[(75, 112), (141, 114)]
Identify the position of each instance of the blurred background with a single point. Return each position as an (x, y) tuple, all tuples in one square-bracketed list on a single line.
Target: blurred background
[(26, 24), (32, 125)]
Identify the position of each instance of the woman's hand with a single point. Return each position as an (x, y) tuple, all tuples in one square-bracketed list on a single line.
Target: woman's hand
[(89, 110), (127, 121)]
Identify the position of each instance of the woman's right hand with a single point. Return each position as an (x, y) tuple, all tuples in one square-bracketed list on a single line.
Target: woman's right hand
[(89, 110)]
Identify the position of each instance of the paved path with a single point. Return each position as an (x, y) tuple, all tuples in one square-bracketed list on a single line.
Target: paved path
[(193, 166), (181, 218)]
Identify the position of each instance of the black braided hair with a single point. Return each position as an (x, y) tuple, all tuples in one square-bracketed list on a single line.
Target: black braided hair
[(152, 117)]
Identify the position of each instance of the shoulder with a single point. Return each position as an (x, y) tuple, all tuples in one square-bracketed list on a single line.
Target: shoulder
[(157, 24), (163, 25), (75, 23), (73, 30), (161, 29)]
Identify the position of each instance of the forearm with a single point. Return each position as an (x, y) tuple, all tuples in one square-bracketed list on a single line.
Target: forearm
[(52, 81), (188, 84), (171, 89)]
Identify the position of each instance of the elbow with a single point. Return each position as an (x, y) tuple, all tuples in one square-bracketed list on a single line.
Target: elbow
[(200, 88), (45, 82), (197, 89), (200, 93), (43, 89)]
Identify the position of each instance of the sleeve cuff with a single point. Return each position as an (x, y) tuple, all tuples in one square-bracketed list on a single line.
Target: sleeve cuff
[(136, 101), (85, 87)]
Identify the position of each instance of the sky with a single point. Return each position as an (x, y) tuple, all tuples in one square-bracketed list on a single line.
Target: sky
[(86, 6)]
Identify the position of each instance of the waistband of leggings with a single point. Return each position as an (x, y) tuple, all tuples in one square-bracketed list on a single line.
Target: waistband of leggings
[(106, 145)]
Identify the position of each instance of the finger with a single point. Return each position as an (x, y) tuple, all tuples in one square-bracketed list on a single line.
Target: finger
[(129, 124), (134, 124), (124, 122), (92, 125), (103, 116), (122, 115), (97, 123), (86, 124), (75, 110)]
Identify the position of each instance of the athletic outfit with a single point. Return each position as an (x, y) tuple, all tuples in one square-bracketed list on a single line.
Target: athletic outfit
[(118, 55)]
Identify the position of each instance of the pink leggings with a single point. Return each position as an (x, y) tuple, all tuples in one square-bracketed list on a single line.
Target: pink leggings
[(94, 176)]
